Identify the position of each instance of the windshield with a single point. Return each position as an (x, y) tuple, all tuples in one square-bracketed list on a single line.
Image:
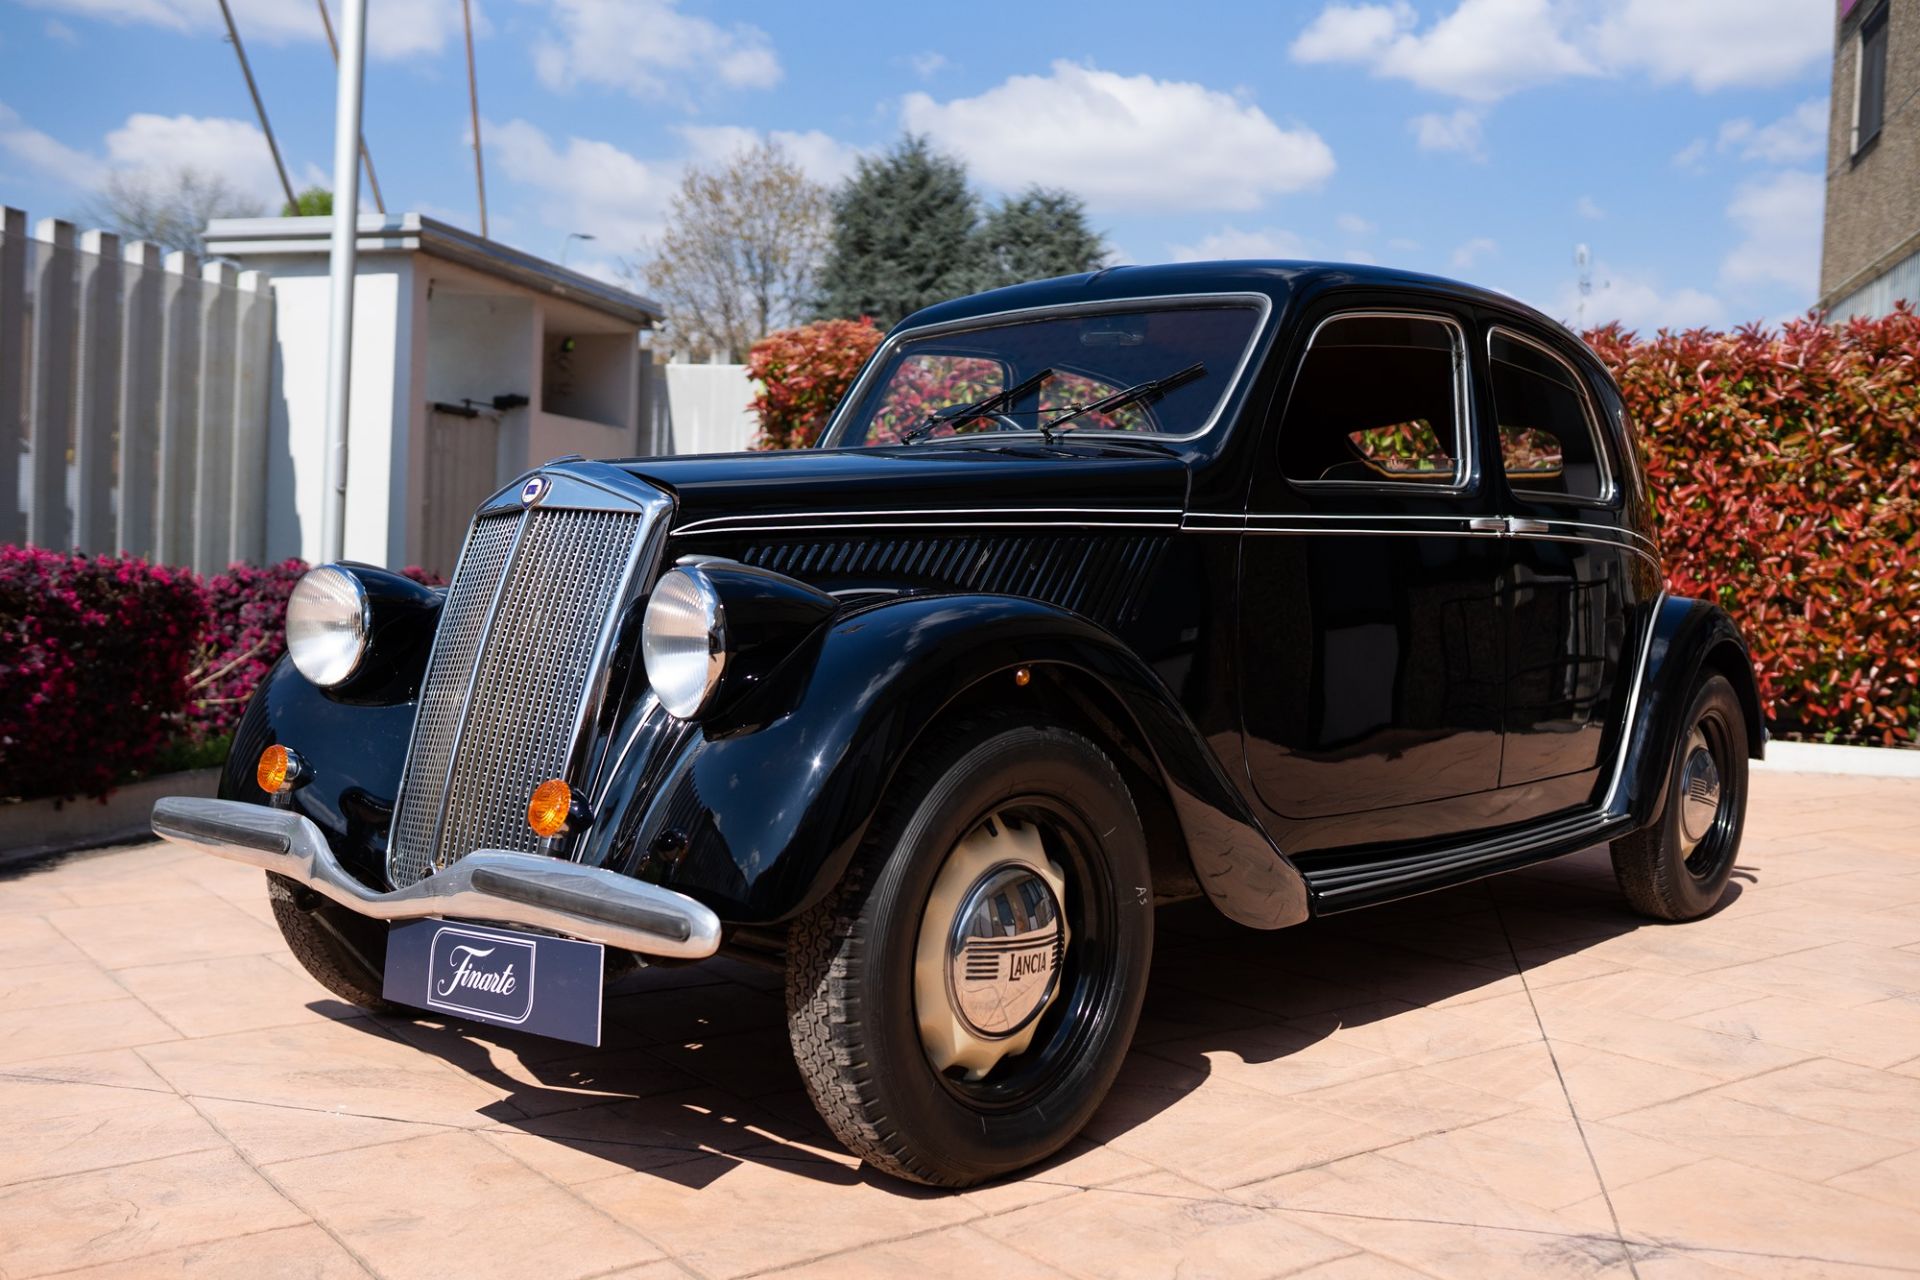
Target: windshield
[(1022, 375)]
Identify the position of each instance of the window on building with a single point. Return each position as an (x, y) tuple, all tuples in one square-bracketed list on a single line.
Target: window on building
[(1871, 84)]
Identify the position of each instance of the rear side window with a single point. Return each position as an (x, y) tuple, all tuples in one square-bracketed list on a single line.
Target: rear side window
[(1378, 401), (1548, 445)]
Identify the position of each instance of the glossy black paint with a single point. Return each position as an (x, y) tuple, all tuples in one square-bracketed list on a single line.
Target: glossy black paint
[(404, 614), (766, 616), (781, 807), (1394, 712)]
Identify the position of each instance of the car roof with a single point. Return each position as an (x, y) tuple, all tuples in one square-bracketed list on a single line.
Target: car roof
[(1278, 280)]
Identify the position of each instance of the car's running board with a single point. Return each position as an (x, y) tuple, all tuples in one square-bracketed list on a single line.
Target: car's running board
[(1359, 884), (488, 884)]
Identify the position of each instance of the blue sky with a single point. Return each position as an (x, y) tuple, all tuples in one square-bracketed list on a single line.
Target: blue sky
[(1683, 140)]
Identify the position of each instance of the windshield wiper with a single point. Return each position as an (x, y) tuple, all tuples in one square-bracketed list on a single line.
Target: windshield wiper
[(1125, 396), (967, 412)]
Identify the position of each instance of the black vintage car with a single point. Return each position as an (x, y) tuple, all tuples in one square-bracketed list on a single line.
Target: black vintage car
[(1297, 587)]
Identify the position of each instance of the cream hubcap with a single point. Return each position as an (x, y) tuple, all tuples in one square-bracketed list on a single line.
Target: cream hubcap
[(992, 939)]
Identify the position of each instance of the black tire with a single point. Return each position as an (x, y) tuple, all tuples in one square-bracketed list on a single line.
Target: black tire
[(850, 961), (345, 952), (1655, 868)]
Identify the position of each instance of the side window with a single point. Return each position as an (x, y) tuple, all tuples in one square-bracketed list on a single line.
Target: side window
[(1547, 441), (1377, 401)]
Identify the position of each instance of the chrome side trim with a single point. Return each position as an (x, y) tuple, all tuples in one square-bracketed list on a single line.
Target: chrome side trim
[(699, 526), (525, 889), (1633, 704), (1263, 304), (1384, 526), (1169, 526)]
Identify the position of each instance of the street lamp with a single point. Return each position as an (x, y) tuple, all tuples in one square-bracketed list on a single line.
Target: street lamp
[(568, 243)]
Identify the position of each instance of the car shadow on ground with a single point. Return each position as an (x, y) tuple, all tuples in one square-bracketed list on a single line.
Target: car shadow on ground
[(694, 1075)]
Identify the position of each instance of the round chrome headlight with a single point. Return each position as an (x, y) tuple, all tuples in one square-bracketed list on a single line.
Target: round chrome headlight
[(683, 641), (327, 625)]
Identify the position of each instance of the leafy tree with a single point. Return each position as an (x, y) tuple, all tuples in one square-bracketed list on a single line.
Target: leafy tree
[(740, 252), (314, 202), (171, 209), (903, 236), (1037, 234)]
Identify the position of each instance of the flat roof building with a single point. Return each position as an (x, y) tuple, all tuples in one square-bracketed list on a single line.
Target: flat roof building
[(1870, 247)]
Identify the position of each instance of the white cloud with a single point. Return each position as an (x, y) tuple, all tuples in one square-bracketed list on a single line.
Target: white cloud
[(927, 65), (1715, 44), (58, 30), (1779, 221), (1123, 141), (1401, 244), (395, 28), (1354, 225), (648, 46), (1459, 131), (1482, 51), (43, 153), (1588, 208), (1232, 242), (821, 156), (234, 151), (1472, 251), (1690, 156), (1638, 301), (1799, 135), (586, 185)]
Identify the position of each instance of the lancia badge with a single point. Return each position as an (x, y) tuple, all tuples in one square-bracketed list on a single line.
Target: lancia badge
[(534, 489)]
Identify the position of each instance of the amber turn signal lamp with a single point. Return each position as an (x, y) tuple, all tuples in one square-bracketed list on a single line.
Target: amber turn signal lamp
[(547, 811), (278, 770)]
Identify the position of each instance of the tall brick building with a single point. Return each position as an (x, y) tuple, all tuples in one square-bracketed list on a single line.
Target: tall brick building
[(1870, 251)]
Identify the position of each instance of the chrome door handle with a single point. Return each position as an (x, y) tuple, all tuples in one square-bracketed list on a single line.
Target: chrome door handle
[(1487, 524), (1517, 524)]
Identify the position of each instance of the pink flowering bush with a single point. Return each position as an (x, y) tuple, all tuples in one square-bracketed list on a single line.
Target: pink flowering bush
[(94, 661), (110, 666)]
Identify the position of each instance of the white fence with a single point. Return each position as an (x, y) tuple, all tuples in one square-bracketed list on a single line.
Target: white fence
[(133, 398), (712, 408)]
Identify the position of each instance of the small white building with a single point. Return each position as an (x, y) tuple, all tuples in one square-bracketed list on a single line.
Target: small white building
[(472, 362)]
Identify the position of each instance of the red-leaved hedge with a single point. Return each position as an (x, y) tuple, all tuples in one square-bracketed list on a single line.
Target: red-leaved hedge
[(106, 662), (1786, 468), (802, 375), (94, 662)]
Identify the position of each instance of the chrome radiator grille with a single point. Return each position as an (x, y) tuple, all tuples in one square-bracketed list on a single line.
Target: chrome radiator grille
[(506, 691)]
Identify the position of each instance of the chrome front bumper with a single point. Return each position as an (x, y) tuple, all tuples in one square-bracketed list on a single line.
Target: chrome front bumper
[(489, 884)]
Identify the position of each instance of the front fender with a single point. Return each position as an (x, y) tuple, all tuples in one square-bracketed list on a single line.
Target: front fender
[(1690, 637), (760, 816)]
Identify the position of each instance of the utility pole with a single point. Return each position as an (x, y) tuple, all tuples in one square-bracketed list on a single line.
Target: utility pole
[(341, 264), (1581, 261), (473, 105), (259, 108), (366, 156)]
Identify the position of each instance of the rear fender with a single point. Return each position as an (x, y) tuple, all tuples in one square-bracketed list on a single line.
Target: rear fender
[(1691, 639), (761, 813)]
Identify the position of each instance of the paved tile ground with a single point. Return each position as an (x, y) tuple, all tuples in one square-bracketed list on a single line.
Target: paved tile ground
[(1515, 1078)]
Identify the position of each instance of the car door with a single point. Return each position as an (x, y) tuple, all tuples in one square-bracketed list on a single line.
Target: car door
[(1574, 578), (1370, 617)]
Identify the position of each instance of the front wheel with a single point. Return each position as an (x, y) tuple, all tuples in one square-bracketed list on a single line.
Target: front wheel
[(960, 1004), (1678, 868)]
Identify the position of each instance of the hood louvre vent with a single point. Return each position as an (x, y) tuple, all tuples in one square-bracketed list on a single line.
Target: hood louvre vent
[(1100, 577)]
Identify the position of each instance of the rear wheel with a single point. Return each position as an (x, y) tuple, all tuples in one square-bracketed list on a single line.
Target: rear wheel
[(962, 1001), (1678, 868)]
